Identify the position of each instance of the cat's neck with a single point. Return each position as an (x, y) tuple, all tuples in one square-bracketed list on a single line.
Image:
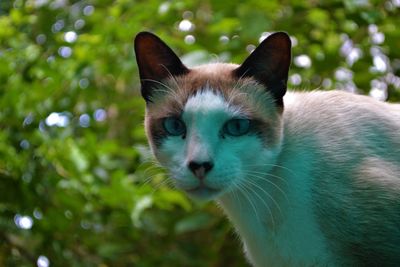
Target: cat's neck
[(267, 214)]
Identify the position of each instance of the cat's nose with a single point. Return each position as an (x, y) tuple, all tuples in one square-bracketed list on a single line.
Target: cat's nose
[(200, 169)]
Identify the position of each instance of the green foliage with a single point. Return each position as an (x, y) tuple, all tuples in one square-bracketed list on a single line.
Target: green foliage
[(73, 156)]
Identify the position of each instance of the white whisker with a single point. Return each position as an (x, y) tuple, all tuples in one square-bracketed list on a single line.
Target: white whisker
[(246, 195), (171, 76), (272, 165), (269, 181), (164, 182), (148, 180), (269, 195), (263, 201), (236, 195), (153, 170), (169, 91), (267, 174)]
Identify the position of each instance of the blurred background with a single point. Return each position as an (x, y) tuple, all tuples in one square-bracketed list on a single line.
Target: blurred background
[(77, 183)]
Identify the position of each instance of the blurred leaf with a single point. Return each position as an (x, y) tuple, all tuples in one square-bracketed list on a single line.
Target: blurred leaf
[(141, 204), (89, 184), (195, 222)]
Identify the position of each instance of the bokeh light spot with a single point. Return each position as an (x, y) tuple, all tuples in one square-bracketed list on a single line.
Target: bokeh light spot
[(57, 119), (190, 39), (88, 10), (303, 61), (65, 51), (70, 37), (79, 24), (43, 261), (100, 114), (295, 79), (186, 26), (84, 120), (23, 222)]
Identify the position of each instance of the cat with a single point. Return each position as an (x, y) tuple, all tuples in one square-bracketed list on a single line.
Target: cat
[(306, 178)]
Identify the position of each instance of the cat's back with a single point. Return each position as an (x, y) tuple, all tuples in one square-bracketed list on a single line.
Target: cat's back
[(355, 146), (338, 105), (330, 116)]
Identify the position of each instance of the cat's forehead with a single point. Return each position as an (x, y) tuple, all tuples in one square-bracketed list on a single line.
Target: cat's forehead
[(207, 87), (174, 93), (216, 69), (218, 76), (205, 100), (209, 101)]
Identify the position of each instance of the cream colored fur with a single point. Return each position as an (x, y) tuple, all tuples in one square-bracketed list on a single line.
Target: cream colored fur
[(314, 182), (340, 154)]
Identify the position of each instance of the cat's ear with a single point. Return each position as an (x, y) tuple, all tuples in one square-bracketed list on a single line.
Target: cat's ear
[(269, 65), (156, 62)]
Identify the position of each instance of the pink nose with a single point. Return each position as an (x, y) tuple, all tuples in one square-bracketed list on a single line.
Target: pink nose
[(200, 169)]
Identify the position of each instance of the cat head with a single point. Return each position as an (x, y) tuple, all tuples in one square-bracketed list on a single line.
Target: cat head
[(215, 125)]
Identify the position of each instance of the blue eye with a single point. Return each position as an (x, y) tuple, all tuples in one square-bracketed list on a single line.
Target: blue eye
[(237, 127), (174, 126)]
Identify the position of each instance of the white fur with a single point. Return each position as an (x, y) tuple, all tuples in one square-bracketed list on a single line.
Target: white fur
[(207, 102), (316, 185)]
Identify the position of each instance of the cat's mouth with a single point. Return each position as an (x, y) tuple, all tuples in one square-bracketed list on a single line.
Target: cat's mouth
[(202, 192)]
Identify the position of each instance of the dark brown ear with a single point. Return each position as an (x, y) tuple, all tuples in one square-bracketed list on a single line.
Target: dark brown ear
[(156, 62), (269, 64)]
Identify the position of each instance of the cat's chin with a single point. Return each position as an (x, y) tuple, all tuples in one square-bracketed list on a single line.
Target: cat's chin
[(203, 193)]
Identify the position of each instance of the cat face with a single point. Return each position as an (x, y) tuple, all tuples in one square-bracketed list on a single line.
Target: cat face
[(205, 124)]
